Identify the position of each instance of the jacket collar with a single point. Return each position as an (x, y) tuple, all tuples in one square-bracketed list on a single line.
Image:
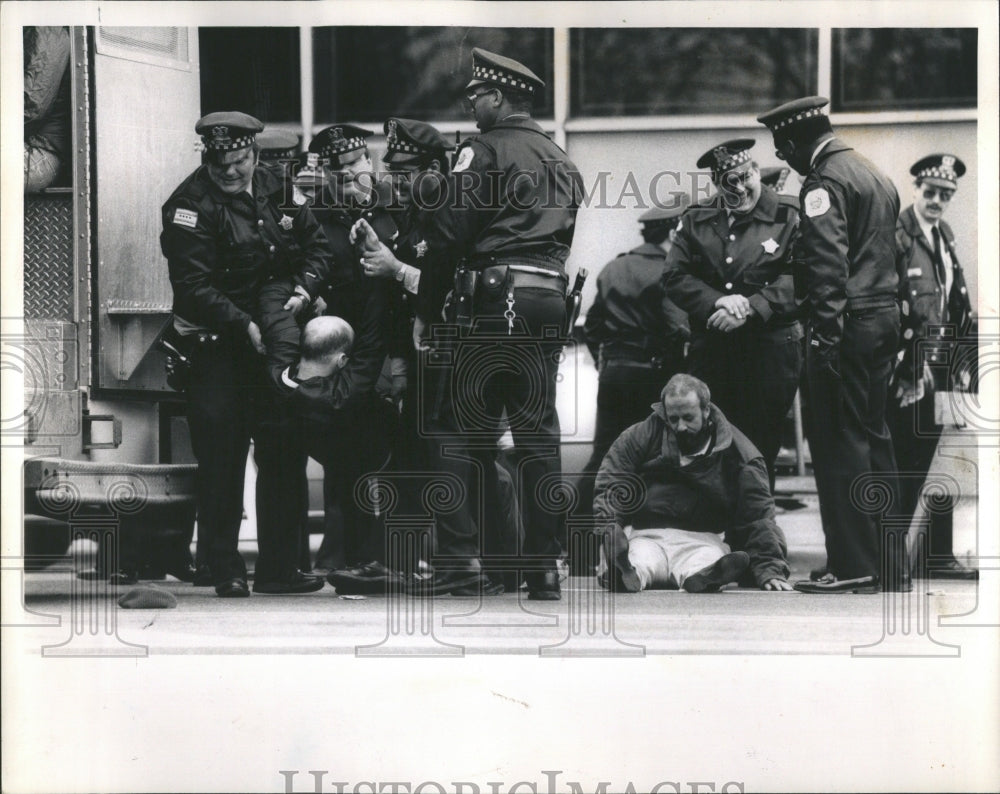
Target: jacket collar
[(833, 147), (723, 432), (518, 123), (649, 249)]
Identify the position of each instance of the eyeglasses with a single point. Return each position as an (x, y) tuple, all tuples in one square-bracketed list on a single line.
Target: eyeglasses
[(944, 193), (473, 97)]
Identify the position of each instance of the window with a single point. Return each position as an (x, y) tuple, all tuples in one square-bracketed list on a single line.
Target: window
[(370, 73), (642, 72), (904, 69), (255, 70)]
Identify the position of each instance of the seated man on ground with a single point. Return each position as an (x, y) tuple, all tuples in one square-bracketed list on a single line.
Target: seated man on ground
[(346, 429), (683, 501)]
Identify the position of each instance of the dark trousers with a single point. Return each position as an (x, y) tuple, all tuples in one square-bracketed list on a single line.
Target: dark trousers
[(497, 371), (753, 375), (231, 402), (849, 439), (915, 438)]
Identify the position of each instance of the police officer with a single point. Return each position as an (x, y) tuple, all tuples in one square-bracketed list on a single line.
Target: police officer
[(339, 183), (635, 333), (933, 294), (846, 275), (509, 217), (225, 235), (730, 271)]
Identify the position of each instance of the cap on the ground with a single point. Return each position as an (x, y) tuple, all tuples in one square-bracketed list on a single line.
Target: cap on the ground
[(147, 597)]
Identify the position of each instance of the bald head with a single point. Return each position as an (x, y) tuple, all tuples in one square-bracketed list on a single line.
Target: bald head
[(325, 338)]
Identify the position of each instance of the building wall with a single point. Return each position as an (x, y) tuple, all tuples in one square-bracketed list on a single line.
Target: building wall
[(607, 228)]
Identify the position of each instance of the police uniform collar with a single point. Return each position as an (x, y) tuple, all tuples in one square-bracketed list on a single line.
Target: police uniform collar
[(766, 208), (835, 145), (648, 249), (518, 123)]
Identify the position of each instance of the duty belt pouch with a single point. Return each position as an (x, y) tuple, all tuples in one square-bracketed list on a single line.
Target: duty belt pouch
[(495, 283), (462, 295)]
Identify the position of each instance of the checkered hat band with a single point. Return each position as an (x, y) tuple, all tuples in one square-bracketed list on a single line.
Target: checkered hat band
[(733, 160), (404, 147), (343, 146), (805, 114), (493, 75), (939, 172), (230, 144)]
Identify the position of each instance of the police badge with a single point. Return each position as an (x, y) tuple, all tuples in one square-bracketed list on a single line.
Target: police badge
[(286, 223), (421, 249)]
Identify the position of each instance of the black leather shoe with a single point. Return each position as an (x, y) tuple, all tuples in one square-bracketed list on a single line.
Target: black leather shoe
[(185, 572), (952, 569), (123, 577), (624, 579), (445, 581), (831, 584), (543, 585), (296, 584), (233, 588), (372, 578), (202, 576), (724, 570)]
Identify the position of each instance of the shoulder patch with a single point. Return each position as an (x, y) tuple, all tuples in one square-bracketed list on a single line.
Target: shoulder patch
[(816, 202), (183, 217), (464, 159)]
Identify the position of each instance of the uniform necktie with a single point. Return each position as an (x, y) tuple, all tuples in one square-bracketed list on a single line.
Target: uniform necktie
[(939, 267), (938, 261)]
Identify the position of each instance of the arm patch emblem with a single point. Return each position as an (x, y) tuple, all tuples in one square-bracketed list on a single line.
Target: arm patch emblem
[(464, 159), (187, 218), (817, 202)]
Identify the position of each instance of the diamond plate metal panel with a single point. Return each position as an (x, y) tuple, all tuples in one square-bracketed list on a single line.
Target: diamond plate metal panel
[(48, 257)]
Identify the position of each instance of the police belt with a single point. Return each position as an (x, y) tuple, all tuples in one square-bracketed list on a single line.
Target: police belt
[(526, 270), (862, 302), (643, 354)]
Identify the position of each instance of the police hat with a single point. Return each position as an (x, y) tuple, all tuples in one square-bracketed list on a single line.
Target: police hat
[(727, 156), (277, 144), (775, 176), (493, 69), (407, 140), (227, 131), (658, 217), (786, 116), (339, 139), (939, 169)]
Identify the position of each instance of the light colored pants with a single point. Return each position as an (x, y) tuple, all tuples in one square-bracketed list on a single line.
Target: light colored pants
[(664, 558)]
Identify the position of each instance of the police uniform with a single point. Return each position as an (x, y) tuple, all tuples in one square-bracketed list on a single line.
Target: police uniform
[(635, 334), (936, 313), (516, 235), (846, 277), (221, 250), (753, 371)]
